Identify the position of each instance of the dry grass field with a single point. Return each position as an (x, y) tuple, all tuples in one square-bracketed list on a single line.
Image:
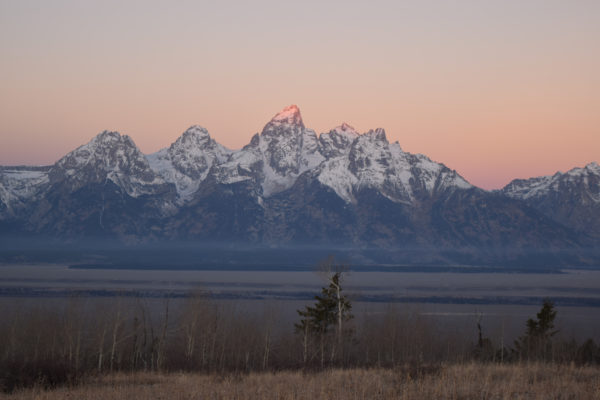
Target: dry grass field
[(468, 381)]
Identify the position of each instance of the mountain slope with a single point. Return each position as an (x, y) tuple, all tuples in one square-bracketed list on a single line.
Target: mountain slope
[(107, 157), (289, 186), (275, 158), (18, 186), (104, 188), (571, 198), (188, 160), (372, 162)]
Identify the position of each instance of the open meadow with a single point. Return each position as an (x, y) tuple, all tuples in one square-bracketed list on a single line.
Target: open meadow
[(156, 335), (458, 381)]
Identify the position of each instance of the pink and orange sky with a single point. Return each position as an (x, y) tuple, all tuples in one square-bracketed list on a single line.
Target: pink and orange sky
[(494, 89)]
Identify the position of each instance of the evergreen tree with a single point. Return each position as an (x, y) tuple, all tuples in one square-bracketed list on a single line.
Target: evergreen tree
[(537, 341), (331, 309)]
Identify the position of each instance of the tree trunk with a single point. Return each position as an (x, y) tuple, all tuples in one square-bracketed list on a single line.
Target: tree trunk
[(339, 303), (115, 332)]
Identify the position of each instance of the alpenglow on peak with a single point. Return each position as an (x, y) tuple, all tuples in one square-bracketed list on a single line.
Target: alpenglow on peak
[(290, 115), (345, 127)]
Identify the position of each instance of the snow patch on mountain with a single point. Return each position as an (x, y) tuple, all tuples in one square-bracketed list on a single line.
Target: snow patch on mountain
[(187, 162), (527, 188), (345, 132), (337, 141), (372, 162), (286, 154), (342, 159), (243, 165), (20, 184), (274, 159), (436, 176), (109, 156), (586, 178), (290, 115), (334, 173), (370, 158)]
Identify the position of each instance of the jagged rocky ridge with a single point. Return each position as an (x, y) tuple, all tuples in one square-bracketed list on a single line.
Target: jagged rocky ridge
[(292, 186), (571, 198)]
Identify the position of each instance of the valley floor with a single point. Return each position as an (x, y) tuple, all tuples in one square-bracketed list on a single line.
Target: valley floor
[(466, 381)]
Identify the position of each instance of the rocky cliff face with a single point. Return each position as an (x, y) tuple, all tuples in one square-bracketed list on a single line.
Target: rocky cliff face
[(275, 158), (187, 162), (571, 198), (104, 188), (108, 157)]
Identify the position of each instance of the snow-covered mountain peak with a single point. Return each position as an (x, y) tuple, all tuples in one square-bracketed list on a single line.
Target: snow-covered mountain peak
[(344, 127), (105, 138), (289, 185), (593, 167), (377, 134), (371, 162), (346, 130), (194, 139), (107, 135), (187, 162), (19, 184), (196, 131), (108, 156), (109, 149), (110, 139), (275, 158), (338, 140), (590, 169), (584, 179), (290, 115)]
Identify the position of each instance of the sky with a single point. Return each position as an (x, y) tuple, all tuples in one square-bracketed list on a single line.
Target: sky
[(496, 90)]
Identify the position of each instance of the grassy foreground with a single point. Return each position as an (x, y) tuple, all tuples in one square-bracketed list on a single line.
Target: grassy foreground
[(468, 381)]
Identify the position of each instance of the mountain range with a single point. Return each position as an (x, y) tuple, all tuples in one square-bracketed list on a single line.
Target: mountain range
[(291, 187)]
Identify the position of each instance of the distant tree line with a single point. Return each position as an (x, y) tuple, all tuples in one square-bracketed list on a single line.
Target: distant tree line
[(58, 345)]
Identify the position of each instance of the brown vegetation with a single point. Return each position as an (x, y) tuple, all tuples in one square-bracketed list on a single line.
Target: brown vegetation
[(60, 345), (466, 381), (209, 348)]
